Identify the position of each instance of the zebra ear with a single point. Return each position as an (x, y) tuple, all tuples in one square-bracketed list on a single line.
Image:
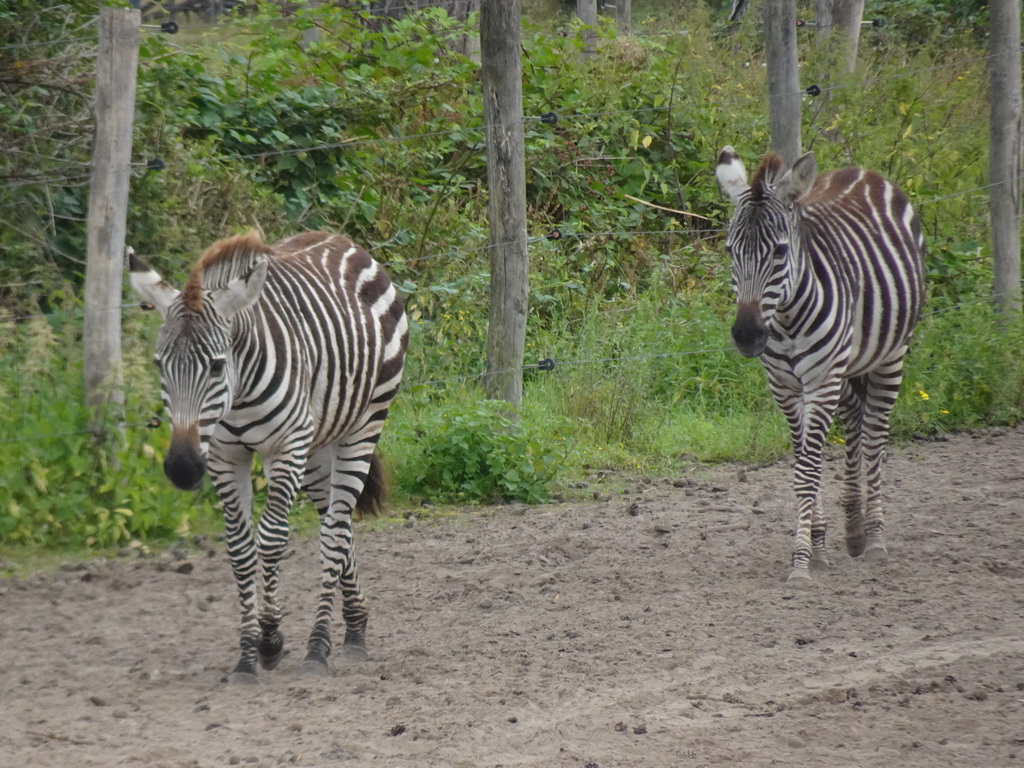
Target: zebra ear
[(148, 284), (731, 175), (242, 292), (798, 180)]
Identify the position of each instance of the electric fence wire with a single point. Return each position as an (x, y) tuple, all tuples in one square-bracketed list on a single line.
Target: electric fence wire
[(64, 41), (414, 260), (477, 125), (548, 364), (543, 365)]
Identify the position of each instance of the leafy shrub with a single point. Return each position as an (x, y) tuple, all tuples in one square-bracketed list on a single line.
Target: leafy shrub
[(60, 487), (964, 371), (477, 453)]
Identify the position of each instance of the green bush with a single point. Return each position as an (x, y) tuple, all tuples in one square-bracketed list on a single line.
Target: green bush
[(60, 487), (964, 371), (477, 453)]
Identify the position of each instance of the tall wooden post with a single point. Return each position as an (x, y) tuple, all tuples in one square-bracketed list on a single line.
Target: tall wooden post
[(624, 16), (313, 34), (117, 62), (587, 11), (783, 85), (1004, 159), (471, 43), (501, 70), (838, 24)]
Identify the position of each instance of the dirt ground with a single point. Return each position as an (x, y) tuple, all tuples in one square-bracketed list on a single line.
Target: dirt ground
[(643, 628)]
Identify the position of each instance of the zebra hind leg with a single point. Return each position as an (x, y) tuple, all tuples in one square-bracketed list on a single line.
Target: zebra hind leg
[(365, 474), (874, 519), (339, 567), (883, 386), (851, 411), (335, 487), (317, 485)]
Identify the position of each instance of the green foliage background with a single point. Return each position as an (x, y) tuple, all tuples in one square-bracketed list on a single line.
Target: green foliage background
[(376, 130)]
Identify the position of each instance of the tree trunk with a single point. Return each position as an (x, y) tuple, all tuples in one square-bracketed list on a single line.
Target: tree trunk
[(1004, 165), (501, 73)]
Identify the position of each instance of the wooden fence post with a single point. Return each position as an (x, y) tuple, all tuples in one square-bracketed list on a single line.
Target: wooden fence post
[(624, 16), (784, 95), (1004, 163), (587, 11), (501, 70), (117, 62)]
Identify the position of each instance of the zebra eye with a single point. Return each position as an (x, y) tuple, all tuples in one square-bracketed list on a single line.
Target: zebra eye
[(217, 366), (781, 249)]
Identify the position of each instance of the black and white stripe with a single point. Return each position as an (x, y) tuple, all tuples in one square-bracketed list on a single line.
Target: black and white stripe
[(293, 351), (829, 278)]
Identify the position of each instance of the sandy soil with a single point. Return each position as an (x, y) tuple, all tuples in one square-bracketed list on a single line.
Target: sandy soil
[(644, 628)]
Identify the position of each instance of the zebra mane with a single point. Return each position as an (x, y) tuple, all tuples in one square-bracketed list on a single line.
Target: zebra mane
[(767, 175), (224, 261)]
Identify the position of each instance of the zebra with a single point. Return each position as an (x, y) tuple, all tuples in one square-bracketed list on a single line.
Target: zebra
[(828, 273), (294, 351)]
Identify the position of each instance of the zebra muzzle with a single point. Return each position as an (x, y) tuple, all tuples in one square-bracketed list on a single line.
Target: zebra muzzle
[(184, 464), (749, 332)]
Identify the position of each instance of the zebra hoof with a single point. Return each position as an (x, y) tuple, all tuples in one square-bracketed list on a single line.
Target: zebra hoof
[(820, 564), (876, 553), (353, 654), (243, 678), (314, 668), (855, 545), (270, 652), (799, 578)]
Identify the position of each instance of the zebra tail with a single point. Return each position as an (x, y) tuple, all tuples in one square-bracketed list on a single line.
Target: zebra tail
[(375, 490)]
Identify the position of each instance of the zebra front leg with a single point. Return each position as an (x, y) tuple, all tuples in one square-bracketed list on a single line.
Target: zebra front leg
[(819, 528), (808, 438), (231, 478), (809, 552), (272, 538)]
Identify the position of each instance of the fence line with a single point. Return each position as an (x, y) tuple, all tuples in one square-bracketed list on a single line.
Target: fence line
[(548, 364), (552, 236), (549, 117)]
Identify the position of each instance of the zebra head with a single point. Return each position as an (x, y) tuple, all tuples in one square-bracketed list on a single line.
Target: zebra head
[(762, 240), (194, 356)]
